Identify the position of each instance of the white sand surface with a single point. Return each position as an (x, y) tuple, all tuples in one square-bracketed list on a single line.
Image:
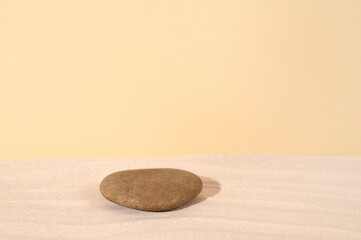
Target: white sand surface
[(244, 197)]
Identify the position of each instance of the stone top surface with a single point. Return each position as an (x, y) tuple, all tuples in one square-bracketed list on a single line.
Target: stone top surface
[(158, 189)]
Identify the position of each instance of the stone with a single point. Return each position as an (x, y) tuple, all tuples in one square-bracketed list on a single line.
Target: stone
[(157, 189)]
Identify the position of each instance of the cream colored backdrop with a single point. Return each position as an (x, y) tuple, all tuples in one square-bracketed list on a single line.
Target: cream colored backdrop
[(155, 78)]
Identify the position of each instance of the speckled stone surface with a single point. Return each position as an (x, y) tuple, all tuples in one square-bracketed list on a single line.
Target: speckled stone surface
[(158, 189)]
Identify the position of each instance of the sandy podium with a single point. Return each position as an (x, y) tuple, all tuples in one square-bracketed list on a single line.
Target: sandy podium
[(243, 197)]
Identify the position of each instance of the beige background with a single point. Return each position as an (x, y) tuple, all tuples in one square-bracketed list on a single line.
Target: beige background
[(156, 78)]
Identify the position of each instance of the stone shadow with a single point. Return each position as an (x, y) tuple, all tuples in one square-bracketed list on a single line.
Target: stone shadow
[(210, 188)]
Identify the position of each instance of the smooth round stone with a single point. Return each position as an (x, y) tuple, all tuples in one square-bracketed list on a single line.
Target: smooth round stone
[(158, 189)]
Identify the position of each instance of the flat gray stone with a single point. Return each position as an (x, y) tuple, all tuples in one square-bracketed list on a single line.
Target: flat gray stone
[(158, 189)]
